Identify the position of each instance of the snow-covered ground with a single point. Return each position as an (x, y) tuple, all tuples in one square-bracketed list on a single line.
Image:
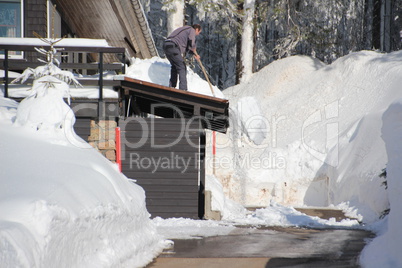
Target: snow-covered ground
[(302, 134)]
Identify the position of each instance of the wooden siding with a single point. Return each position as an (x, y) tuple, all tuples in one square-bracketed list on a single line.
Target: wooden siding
[(172, 186), (82, 127), (35, 20)]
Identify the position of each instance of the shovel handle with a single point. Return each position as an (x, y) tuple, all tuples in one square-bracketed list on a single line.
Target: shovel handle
[(205, 73)]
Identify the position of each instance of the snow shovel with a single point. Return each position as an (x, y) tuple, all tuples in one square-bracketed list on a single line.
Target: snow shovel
[(206, 76)]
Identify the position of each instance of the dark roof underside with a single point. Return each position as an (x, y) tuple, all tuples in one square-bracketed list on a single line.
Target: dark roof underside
[(121, 22), (169, 102)]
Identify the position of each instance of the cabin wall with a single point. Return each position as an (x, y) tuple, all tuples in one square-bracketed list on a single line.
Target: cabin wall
[(35, 14), (35, 20)]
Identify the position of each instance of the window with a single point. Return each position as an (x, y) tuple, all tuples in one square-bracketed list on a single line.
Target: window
[(11, 23), (10, 18)]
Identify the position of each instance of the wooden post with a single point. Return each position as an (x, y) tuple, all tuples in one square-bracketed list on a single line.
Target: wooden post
[(100, 76), (213, 150)]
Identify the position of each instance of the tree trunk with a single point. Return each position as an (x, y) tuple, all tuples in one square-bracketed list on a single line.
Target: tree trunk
[(247, 42), (175, 18), (376, 24), (386, 25), (239, 65)]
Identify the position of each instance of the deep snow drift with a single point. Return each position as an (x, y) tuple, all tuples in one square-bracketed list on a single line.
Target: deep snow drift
[(385, 250), (303, 133), (326, 139), (62, 203), (67, 206)]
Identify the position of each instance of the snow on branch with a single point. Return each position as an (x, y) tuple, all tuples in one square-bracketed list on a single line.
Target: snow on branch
[(286, 45), (51, 65)]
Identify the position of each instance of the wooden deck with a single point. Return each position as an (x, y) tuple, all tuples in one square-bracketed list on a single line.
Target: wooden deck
[(98, 64)]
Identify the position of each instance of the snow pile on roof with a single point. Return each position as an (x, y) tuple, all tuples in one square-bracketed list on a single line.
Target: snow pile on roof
[(154, 70), (157, 70)]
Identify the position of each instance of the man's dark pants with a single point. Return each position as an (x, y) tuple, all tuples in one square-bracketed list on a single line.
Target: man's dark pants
[(175, 58)]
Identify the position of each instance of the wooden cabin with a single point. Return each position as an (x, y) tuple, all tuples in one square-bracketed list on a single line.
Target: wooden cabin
[(162, 129), (122, 23)]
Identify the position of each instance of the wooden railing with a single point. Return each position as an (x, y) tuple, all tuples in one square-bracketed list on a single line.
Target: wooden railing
[(11, 64)]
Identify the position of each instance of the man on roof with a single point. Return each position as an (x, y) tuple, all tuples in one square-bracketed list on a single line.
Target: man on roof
[(179, 42)]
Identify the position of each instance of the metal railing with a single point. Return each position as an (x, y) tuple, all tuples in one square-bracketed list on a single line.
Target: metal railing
[(99, 66)]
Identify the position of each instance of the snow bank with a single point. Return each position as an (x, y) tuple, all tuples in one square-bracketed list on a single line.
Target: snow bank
[(272, 215), (230, 210), (181, 228), (8, 110), (62, 203), (306, 133), (68, 206), (384, 251)]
